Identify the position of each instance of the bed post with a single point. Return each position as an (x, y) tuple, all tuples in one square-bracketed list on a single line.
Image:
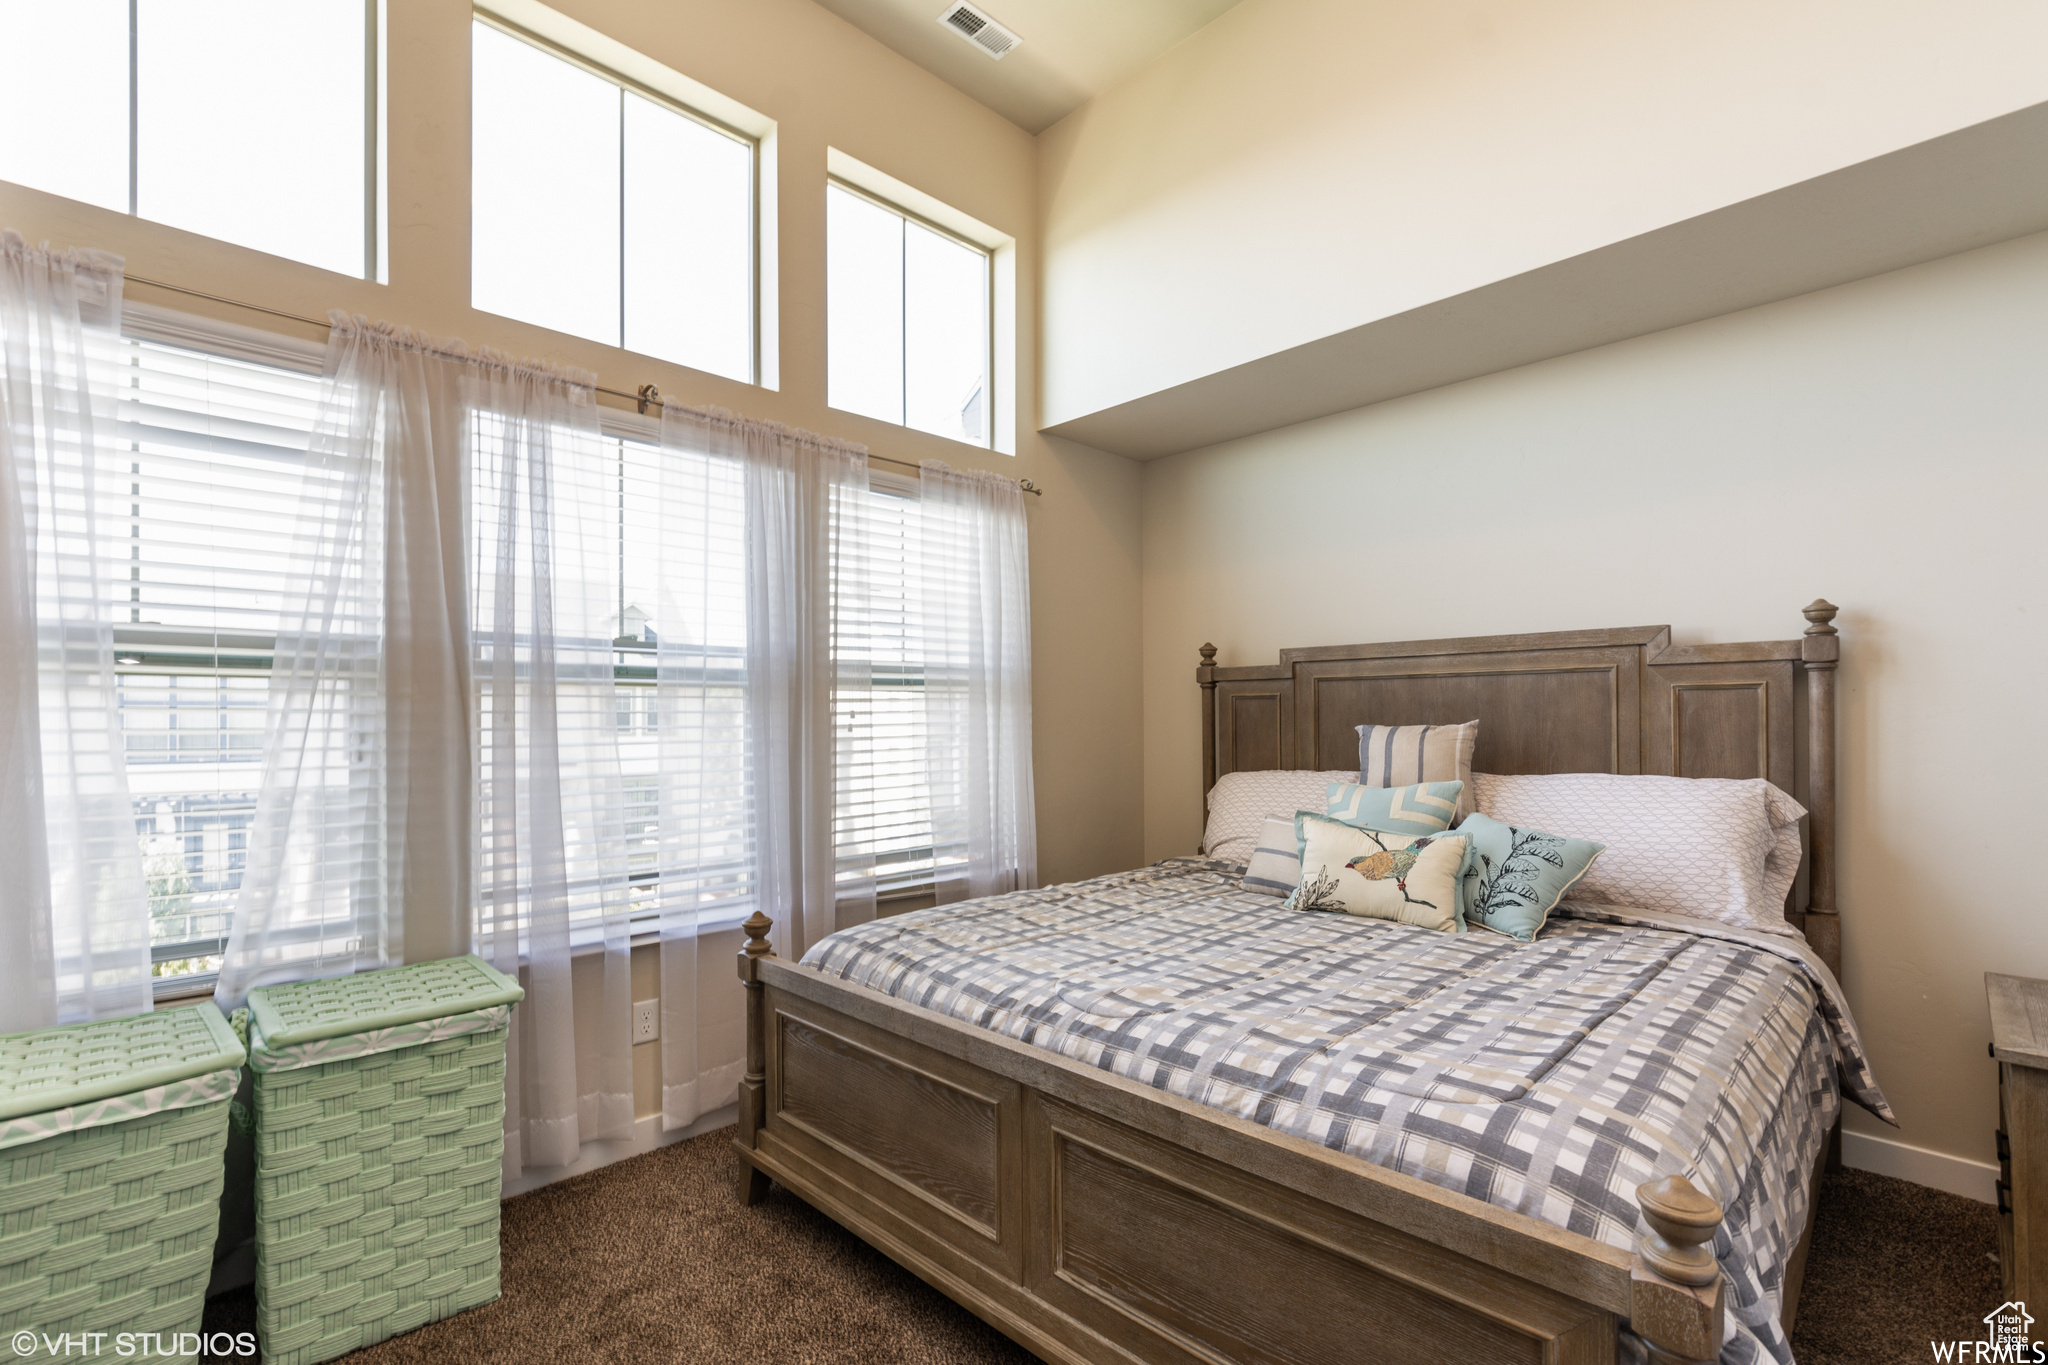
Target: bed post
[(1820, 649), (1205, 674), (1675, 1298), (753, 1095)]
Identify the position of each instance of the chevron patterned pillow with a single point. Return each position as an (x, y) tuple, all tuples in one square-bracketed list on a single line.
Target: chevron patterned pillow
[(1423, 808)]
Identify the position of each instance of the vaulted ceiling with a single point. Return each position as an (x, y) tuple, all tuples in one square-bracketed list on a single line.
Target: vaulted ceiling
[(1073, 50)]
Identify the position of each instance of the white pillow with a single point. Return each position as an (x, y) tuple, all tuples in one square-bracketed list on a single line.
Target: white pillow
[(1239, 804), (1714, 848)]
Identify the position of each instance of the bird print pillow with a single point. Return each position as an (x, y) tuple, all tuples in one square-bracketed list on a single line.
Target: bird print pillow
[(1412, 879)]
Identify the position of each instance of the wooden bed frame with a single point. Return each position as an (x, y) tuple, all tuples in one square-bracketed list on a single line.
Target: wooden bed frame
[(1094, 1219)]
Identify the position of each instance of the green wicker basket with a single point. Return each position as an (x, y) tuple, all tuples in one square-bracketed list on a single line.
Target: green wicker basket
[(111, 1137), (380, 1113)]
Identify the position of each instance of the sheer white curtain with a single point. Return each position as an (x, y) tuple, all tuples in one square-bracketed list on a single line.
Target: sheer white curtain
[(704, 865), (749, 521), (552, 856), (801, 491), (440, 761), (361, 824), (74, 908), (977, 679)]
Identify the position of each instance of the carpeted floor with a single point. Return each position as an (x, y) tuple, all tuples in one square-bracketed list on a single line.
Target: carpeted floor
[(1894, 1267), (654, 1260)]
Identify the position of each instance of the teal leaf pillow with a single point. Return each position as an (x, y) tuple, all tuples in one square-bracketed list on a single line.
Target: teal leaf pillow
[(1424, 808), (1513, 877)]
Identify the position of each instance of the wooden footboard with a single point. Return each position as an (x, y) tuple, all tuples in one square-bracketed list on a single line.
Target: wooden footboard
[(1092, 1219)]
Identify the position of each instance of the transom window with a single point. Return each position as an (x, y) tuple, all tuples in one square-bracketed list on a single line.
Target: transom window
[(252, 121), (907, 319), (604, 210)]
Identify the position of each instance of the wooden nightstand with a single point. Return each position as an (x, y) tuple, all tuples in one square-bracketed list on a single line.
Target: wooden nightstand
[(2019, 1040)]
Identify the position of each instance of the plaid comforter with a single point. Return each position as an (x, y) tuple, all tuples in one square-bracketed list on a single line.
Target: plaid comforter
[(1549, 1078)]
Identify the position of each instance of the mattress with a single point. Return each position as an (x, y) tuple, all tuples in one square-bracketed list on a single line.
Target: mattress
[(1549, 1078)]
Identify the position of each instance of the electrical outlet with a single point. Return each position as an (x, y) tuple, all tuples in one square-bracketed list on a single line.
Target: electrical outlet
[(646, 1020)]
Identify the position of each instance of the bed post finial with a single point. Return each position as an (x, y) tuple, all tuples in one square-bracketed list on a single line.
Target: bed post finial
[(1821, 613), (756, 927), (1208, 656), (1681, 1220), (1675, 1299), (753, 1093)]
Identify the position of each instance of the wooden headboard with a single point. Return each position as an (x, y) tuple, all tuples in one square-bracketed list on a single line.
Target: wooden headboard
[(1574, 701)]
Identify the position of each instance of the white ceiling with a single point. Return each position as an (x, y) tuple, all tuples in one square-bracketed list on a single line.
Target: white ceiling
[(1073, 50)]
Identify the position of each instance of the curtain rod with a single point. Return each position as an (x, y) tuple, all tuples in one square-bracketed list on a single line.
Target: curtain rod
[(650, 396), (646, 397)]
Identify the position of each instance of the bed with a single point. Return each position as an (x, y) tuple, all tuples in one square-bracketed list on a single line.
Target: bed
[(1003, 1098)]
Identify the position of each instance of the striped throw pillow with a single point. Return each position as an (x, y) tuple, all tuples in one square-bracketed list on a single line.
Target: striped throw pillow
[(1402, 755), (1275, 865)]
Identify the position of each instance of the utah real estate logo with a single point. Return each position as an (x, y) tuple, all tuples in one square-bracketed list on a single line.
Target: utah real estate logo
[(2007, 1336)]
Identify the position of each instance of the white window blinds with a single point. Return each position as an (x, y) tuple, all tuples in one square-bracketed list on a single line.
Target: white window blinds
[(682, 683), (658, 536), (204, 477), (884, 632)]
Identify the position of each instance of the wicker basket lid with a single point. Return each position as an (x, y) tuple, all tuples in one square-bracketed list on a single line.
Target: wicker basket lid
[(306, 1011), (62, 1068)]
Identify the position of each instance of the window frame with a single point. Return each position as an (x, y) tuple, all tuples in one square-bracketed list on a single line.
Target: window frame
[(753, 142), (635, 665), (375, 263), (921, 884), (161, 651), (988, 254)]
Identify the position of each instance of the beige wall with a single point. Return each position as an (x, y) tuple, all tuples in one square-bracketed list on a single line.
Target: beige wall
[(824, 83), (1302, 167), (1879, 444)]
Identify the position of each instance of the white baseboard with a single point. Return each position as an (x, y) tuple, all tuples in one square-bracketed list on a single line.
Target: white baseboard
[(647, 1136), (1976, 1180)]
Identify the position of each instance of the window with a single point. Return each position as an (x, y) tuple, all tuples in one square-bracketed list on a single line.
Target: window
[(204, 471), (247, 120), (907, 319), (882, 804), (683, 754), (604, 210), (626, 513)]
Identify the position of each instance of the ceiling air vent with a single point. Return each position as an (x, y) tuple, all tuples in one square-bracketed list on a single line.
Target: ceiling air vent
[(977, 28)]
